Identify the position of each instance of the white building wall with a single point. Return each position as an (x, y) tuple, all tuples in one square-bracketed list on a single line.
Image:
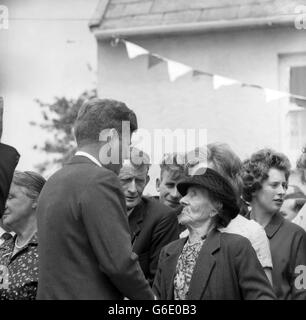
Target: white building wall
[(235, 115)]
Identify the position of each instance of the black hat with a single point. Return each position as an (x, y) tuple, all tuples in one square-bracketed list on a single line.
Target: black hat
[(218, 186)]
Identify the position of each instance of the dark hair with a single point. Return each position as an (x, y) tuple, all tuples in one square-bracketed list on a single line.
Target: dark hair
[(31, 181), (174, 163), (96, 115), (255, 170)]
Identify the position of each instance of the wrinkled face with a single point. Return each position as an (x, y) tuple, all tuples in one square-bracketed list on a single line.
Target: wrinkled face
[(19, 207), (197, 207), (133, 181), (271, 196), (168, 193)]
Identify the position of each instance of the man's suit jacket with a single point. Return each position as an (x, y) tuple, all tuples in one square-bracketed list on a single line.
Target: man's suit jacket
[(152, 226), (227, 268), (9, 158), (85, 247)]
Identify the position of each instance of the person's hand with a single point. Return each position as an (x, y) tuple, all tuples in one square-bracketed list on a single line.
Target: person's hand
[(1, 116)]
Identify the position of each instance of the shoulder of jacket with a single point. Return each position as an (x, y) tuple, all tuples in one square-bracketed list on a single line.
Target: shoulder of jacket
[(293, 228), (234, 241)]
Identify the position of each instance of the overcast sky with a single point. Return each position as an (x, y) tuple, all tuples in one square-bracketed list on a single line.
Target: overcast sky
[(44, 53)]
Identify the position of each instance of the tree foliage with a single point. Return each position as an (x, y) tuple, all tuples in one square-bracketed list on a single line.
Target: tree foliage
[(57, 119)]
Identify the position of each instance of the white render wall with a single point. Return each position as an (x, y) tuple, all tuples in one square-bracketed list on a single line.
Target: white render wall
[(235, 115)]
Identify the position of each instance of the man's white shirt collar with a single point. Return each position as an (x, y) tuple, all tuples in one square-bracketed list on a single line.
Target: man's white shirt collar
[(89, 156)]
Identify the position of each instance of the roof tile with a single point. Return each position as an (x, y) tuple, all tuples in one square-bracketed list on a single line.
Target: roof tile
[(181, 16), (132, 13)]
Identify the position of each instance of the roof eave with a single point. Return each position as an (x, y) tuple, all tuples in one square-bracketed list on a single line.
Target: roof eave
[(98, 15), (196, 27)]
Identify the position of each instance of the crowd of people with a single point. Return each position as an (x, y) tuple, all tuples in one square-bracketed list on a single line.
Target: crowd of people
[(219, 229)]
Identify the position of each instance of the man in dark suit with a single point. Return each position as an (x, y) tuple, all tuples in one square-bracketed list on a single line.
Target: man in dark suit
[(9, 158), (152, 224), (85, 247)]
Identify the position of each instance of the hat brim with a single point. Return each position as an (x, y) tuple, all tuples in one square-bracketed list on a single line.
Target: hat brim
[(183, 186)]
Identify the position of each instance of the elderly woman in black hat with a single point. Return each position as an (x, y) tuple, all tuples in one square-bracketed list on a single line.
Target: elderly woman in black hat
[(208, 264), (18, 255)]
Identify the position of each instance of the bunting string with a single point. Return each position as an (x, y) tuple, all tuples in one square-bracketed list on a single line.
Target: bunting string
[(177, 69)]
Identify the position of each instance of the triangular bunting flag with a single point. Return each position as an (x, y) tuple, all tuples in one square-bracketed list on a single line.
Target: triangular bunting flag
[(274, 94), (219, 81), (177, 69), (154, 60), (134, 50), (197, 73)]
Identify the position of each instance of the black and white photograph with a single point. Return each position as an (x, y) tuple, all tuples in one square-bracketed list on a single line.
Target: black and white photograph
[(152, 150)]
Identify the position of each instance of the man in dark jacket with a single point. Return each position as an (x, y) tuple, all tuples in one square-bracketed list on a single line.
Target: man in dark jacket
[(8, 161), (152, 224), (85, 247)]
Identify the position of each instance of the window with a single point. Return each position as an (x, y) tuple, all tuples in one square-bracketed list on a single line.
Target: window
[(297, 84), (292, 78)]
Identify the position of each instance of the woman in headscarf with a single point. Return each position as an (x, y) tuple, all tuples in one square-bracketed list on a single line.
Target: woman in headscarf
[(208, 264)]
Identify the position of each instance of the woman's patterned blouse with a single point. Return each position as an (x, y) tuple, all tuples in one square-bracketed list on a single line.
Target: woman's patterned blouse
[(18, 272), (184, 269)]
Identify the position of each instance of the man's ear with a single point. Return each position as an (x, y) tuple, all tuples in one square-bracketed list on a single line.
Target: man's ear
[(114, 137), (157, 184), (108, 136)]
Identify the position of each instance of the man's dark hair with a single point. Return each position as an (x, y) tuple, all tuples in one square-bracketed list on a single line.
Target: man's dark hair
[(96, 115), (174, 163)]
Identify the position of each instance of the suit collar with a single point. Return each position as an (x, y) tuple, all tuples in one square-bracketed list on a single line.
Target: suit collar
[(80, 159), (173, 254), (273, 226), (89, 156)]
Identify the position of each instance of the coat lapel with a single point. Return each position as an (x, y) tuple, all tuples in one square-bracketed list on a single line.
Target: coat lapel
[(170, 262), (136, 221), (204, 266)]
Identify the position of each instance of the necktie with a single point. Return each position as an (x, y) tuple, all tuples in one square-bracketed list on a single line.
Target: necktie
[(6, 236)]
